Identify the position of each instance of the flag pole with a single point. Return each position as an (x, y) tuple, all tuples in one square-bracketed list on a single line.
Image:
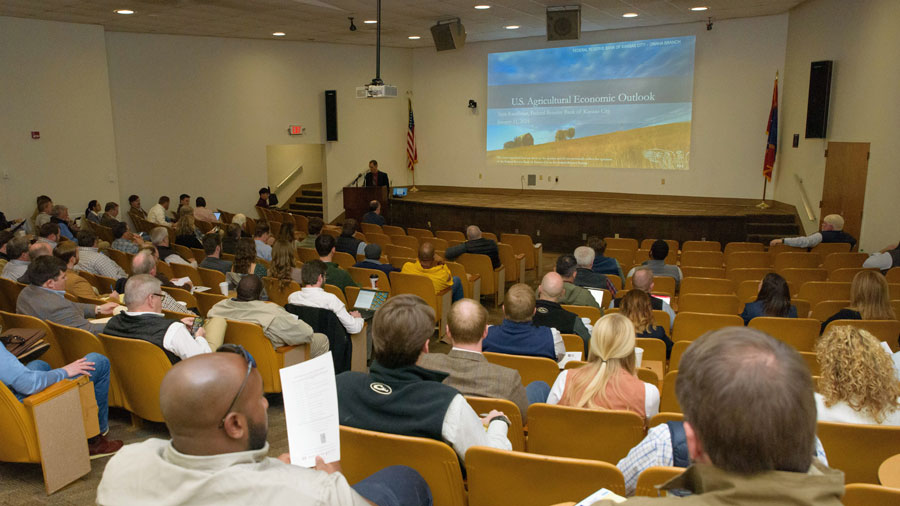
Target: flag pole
[(762, 204), (411, 155), (771, 144)]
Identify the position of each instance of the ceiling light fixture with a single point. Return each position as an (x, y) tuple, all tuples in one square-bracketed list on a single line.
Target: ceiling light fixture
[(414, 37), (512, 27), (482, 7), (370, 21), (279, 34), (630, 15), (699, 8), (124, 11)]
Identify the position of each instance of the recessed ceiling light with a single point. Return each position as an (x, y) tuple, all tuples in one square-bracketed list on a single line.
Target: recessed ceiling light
[(512, 27), (699, 8), (414, 37), (124, 11), (279, 34), (630, 15), (370, 21), (482, 7)]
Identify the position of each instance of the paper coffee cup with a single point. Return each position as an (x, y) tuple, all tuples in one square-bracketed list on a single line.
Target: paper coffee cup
[(638, 356), (223, 287), (373, 280)]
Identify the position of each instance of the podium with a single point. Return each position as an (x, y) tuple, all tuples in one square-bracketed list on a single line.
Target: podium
[(356, 200)]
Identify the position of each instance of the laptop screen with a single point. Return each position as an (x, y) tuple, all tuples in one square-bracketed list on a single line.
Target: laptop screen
[(400, 192), (370, 299), (218, 216), (664, 298)]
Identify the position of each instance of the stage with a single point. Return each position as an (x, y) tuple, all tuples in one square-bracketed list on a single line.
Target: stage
[(562, 219)]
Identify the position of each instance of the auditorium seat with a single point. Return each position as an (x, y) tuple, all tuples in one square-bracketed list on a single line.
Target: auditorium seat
[(654, 349), (615, 280), (183, 251), (103, 284), (834, 261), (625, 243), (211, 278), (812, 362), (120, 258), (747, 260), (53, 355), (534, 253), (817, 291), (563, 431), (450, 235), (489, 235), (700, 246), (663, 417), (743, 274), (793, 260), (181, 295), (438, 243), (471, 282), (702, 258), (301, 223), (501, 477), (589, 312), (208, 299), (75, 343), (344, 260), (648, 376), (361, 276), (186, 271), (858, 450), (625, 257), (866, 494), (392, 250), (139, 367), (336, 292), (678, 350), (493, 281), (824, 309), (846, 274), (399, 261), (703, 272), (748, 290), (827, 248), (419, 232), (359, 236), (368, 228), (661, 284), (269, 360), (530, 368), (573, 342), (709, 303), (893, 275), (277, 291), (884, 330), (706, 285), (797, 276), (668, 400), (689, 326), (379, 239), (654, 476), (516, 431), (512, 262), (421, 285), (734, 247), (333, 232), (164, 269), (801, 333), (802, 306)]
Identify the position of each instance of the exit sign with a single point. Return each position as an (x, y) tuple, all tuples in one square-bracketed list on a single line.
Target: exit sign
[(295, 130)]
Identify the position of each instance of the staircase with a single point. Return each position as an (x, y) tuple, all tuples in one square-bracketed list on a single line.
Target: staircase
[(308, 201), (765, 227)]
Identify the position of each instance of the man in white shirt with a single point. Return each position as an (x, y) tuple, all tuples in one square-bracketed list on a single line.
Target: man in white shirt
[(157, 213), (92, 261), (214, 408), (261, 238), (144, 320), (313, 295), (17, 251)]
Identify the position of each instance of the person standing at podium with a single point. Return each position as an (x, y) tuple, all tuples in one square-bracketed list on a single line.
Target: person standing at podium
[(374, 177)]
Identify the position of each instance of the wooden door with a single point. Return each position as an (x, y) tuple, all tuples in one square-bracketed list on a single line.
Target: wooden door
[(844, 189)]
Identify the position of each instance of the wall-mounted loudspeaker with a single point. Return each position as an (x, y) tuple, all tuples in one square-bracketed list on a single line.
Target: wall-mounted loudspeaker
[(331, 115), (448, 35), (564, 23), (819, 93)]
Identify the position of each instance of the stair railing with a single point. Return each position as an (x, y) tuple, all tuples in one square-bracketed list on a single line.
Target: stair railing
[(809, 211), (289, 176)]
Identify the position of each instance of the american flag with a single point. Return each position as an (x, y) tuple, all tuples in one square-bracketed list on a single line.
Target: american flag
[(412, 156)]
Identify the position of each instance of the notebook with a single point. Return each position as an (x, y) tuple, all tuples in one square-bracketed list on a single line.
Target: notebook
[(369, 301), (597, 294)]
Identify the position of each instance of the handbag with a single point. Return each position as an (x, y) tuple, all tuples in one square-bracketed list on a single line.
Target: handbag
[(25, 344)]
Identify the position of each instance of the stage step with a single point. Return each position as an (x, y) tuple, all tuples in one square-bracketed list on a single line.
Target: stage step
[(765, 227), (783, 229), (308, 202)]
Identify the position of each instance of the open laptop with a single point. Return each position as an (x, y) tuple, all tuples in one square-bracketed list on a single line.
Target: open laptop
[(218, 216), (400, 192), (369, 301)]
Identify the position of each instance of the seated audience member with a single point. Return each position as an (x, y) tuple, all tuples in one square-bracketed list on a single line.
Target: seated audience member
[(435, 270), (145, 263), (92, 212), (36, 250), (44, 206), (94, 262), (201, 213), (858, 384), (215, 410), (773, 299), (832, 230), (518, 335), (374, 215), (34, 377), (549, 313), (44, 298), (279, 326), (609, 380), (49, 234), (346, 242), (17, 252), (159, 236), (399, 397), (642, 279), (212, 246), (334, 275), (124, 240), (284, 264), (574, 295), (144, 320), (603, 264), (110, 216), (886, 259), (5, 236), (286, 233), (870, 299), (313, 229), (75, 284), (134, 207), (469, 372), (637, 306), (373, 260), (584, 276), (186, 232), (231, 238), (157, 214), (313, 276), (659, 250), (184, 200), (244, 263), (261, 238), (241, 221), (59, 214), (263, 198), (477, 245), (740, 389)]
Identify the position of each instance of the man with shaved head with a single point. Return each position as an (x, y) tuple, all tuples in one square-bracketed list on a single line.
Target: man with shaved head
[(550, 313), (475, 244), (215, 411), (435, 270)]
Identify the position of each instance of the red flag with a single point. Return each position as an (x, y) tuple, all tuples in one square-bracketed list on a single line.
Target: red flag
[(412, 157), (772, 135)]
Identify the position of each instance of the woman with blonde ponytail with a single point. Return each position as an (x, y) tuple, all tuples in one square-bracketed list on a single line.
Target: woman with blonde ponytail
[(608, 381)]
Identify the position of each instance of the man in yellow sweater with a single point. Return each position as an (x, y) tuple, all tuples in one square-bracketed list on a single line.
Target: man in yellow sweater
[(439, 273)]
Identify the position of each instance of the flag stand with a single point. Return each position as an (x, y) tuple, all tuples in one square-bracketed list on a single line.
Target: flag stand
[(763, 205), (413, 189)]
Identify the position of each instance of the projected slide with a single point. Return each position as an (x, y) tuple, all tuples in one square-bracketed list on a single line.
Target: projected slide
[(623, 105)]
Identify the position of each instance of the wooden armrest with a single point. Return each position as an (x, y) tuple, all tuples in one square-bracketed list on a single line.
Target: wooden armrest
[(500, 269), (286, 349), (445, 290), (473, 277), (50, 392), (520, 256)]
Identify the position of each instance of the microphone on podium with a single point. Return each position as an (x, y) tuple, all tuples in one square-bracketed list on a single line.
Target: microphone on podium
[(356, 180)]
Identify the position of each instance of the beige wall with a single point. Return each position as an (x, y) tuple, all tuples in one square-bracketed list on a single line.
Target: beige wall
[(53, 79), (283, 159), (735, 65), (862, 38)]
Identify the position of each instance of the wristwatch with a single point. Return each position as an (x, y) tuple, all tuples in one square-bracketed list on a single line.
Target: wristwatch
[(501, 418)]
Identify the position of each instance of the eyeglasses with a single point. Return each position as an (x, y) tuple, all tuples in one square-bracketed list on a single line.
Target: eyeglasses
[(239, 350), (160, 295)]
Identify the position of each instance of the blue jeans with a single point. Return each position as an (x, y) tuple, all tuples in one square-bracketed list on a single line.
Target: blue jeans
[(456, 292), (99, 377), (395, 486), (537, 391)]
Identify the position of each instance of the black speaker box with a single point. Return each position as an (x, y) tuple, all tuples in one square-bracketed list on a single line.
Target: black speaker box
[(450, 35), (564, 24), (819, 94), (331, 115)]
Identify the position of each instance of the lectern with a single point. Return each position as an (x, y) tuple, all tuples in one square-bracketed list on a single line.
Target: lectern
[(356, 200)]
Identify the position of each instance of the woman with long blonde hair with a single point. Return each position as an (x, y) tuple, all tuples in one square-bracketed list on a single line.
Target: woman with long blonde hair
[(858, 383), (869, 299), (608, 381), (186, 233), (283, 266)]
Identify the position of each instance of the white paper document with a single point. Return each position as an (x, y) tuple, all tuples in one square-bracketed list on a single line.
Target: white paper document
[(570, 356), (601, 495), (311, 411)]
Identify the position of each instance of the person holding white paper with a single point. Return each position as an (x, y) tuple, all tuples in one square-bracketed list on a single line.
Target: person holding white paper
[(215, 410)]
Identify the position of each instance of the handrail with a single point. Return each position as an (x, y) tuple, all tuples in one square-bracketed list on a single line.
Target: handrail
[(285, 180), (809, 211)]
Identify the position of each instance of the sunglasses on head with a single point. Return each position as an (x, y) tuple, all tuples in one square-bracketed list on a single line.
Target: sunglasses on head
[(238, 350)]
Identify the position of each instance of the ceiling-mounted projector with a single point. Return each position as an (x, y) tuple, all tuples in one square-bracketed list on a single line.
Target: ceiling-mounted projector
[(376, 91)]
